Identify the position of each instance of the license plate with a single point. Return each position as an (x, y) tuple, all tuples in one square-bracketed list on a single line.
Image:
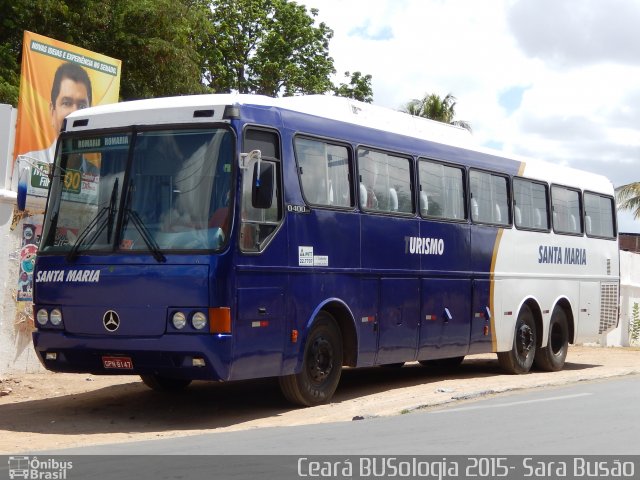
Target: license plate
[(117, 363)]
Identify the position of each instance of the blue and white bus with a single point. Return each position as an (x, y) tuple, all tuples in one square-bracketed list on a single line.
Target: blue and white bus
[(228, 237)]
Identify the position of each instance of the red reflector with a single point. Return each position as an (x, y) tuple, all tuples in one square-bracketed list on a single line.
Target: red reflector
[(486, 330), (294, 336), (220, 320)]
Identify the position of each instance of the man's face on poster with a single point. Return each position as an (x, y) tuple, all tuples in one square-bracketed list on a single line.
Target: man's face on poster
[(73, 96)]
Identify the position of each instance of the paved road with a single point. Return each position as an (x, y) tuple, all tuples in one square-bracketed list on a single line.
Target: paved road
[(600, 417)]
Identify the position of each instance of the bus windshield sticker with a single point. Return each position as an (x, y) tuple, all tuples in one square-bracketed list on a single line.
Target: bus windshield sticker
[(305, 256)]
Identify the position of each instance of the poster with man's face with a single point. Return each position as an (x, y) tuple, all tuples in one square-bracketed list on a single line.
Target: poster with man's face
[(56, 79)]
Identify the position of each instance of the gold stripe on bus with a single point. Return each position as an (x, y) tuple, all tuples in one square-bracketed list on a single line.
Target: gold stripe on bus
[(494, 257), (496, 247)]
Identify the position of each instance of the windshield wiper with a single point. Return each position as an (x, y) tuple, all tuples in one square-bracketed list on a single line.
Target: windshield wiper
[(109, 213), (151, 243)]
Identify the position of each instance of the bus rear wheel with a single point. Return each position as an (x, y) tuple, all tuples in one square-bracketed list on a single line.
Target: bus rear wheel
[(551, 358), (321, 366), (160, 383), (519, 359)]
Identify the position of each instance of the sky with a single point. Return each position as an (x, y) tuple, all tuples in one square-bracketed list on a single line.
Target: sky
[(557, 80)]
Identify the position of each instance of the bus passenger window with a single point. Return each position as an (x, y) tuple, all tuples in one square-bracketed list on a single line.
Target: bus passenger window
[(441, 191), (566, 210), (324, 173), (385, 182), (599, 211), (490, 193), (530, 204)]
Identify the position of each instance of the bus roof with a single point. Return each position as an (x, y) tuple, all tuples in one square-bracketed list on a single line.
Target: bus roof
[(181, 109)]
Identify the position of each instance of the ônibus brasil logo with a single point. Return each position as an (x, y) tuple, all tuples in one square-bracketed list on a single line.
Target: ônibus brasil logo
[(33, 468)]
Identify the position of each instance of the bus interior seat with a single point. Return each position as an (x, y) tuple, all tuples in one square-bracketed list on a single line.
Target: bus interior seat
[(498, 213), (537, 218), (518, 215), (424, 203), (475, 209), (573, 224), (363, 195), (393, 200)]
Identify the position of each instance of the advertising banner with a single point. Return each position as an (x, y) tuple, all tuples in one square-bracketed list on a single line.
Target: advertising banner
[(56, 79)]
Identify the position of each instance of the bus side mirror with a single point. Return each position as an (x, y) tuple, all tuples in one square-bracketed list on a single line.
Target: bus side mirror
[(262, 185)]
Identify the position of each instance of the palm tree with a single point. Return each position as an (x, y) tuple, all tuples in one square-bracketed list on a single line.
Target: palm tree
[(628, 197), (435, 108)]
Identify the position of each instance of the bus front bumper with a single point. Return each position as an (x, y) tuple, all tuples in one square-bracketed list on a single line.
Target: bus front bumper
[(194, 357)]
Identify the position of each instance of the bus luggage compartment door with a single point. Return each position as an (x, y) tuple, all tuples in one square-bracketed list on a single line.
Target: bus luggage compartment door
[(398, 320)]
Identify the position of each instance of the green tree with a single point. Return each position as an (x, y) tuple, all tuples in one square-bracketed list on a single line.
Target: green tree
[(270, 47), (434, 107), (628, 198), (159, 41), (172, 47), (358, 88)]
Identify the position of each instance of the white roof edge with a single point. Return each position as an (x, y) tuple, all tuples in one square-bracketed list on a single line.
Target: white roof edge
[(358, 113), (327, 106)]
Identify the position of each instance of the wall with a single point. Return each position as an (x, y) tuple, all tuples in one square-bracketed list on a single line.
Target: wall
[(16, 350), (629, 293)]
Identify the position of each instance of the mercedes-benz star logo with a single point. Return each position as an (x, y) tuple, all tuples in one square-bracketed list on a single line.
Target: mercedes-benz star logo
[(111, 320)]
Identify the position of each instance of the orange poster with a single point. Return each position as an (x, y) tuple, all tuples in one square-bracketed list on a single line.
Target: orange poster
[(56, 79)]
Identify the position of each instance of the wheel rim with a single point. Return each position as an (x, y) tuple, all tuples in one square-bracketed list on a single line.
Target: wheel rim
[(320, 360), (525, 341)]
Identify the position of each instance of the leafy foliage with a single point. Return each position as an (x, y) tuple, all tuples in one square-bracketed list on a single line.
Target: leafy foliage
[(358, 88), (434, 107), (269, 47), (634, 330), (172, 47), (628, 198)]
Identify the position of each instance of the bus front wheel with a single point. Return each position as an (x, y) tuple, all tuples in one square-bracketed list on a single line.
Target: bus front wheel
[(551, 358), (519, 359), (321, 366)]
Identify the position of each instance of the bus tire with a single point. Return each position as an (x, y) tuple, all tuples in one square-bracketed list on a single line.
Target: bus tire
[(160, 383), (321, 365), (551, 358), (519, 359)]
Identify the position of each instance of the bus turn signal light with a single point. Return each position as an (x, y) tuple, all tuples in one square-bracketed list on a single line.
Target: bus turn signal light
[(220, 320)]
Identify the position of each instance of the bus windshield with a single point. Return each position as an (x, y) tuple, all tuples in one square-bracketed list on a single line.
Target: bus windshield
[(175, 195)]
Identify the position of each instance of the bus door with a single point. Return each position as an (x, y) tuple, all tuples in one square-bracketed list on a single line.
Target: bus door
[(259, 326)]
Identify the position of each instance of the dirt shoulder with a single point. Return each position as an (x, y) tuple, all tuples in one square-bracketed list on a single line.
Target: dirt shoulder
[(48, 410)]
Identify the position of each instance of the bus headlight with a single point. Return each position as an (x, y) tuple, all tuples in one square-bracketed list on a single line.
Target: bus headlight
[(55, 317), (199, 320), (179, 320), (42, 316)]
